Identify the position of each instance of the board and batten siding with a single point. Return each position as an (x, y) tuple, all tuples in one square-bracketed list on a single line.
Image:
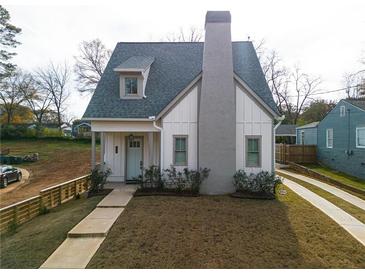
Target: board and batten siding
[(182, 120), (252, 120)]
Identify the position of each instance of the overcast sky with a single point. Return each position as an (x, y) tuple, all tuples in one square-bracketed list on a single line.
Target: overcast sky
[(325, 38)]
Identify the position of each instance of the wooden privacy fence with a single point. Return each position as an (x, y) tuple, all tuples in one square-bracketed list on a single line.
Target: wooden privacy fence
[(304, 154), (51, 197)]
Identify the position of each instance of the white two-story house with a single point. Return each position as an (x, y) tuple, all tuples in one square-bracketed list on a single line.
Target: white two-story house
[(204, 104)]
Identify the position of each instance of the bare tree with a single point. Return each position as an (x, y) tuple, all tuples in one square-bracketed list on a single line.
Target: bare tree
[(278, 79), (259, 48), (305, 86), (11, 93), (355, 84), (90, 64), (292, 90), (194, 34), (54, 79), (37, 98)]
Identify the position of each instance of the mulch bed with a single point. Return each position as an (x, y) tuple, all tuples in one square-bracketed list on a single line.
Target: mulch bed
[(103, 192), (253, 195), (154, 192)]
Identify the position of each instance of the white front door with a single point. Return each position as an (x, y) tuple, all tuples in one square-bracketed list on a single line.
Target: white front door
[(134, 157)]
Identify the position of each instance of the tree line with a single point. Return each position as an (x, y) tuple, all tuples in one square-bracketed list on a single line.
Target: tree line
[(44, 91), (295, 91)]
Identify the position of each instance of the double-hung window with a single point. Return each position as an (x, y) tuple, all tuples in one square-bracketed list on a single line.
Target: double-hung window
[(131, 86), (360, 137), (180, 150), (253, 151), (329, 138)]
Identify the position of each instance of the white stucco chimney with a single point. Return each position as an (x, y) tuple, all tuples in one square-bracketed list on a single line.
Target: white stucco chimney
[(217, 109)]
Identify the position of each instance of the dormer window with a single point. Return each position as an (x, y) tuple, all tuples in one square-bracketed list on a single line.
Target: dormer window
[(131, 84), (133, 75)]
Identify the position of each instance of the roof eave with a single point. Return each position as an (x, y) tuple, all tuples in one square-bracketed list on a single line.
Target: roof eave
[(152, 118)]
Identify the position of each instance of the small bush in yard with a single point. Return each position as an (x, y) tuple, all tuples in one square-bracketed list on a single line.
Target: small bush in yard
[(98, 179), (152, 178), (173, 180), (260, 182), (267, 181), (241, 181), (196, 177)]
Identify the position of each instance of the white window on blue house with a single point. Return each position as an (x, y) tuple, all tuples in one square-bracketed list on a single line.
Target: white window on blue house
[(329, 138), (342, 111), (302, 137), (360, 137), (131, 86)]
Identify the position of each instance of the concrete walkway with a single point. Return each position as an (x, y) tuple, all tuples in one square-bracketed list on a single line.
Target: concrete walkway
[(86, 237), (356, 201), (345, 220)]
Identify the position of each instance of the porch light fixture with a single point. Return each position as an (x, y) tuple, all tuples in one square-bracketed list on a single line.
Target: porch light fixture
[(131, 138)]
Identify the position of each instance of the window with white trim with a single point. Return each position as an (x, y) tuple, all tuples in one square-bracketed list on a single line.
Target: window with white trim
[(360, 137), (329, 137), (180, 150), (253, 151), (302, 137), (342, 111)]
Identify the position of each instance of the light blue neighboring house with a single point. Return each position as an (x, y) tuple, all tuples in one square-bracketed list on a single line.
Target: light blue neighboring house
[(307, 134), (341, 138)]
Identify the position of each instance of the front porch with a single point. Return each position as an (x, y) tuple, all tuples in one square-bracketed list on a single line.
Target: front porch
[(126, 148)]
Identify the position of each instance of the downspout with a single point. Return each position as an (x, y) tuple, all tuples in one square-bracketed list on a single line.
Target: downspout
[(161, 143), (348, 134), (280, 119)]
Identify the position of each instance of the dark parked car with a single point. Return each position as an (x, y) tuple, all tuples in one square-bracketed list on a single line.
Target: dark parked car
[(9, 174)]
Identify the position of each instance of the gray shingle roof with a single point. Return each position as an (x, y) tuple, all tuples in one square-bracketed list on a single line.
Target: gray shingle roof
[(285, 130), (360, 103), (175, 66), (137, 62)]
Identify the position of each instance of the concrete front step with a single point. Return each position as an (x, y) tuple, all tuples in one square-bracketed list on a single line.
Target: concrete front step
[(96, 224), (73, 253), (116, 199)]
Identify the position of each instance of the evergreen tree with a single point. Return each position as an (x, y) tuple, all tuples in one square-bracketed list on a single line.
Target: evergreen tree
[(8, 33)]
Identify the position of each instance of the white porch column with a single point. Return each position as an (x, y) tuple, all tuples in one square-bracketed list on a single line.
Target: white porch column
[(102, 149), (150, 149), (93, 149)]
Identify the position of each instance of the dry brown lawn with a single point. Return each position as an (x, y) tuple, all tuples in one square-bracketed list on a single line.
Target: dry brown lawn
[(60, 160), (225, 232)]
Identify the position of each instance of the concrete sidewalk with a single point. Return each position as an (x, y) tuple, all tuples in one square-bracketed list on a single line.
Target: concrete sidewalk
[(345, 220), (356, 201), (86, 237)]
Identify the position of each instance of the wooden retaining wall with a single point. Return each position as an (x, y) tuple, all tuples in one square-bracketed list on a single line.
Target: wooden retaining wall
[(48, 198), (303, 154)]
